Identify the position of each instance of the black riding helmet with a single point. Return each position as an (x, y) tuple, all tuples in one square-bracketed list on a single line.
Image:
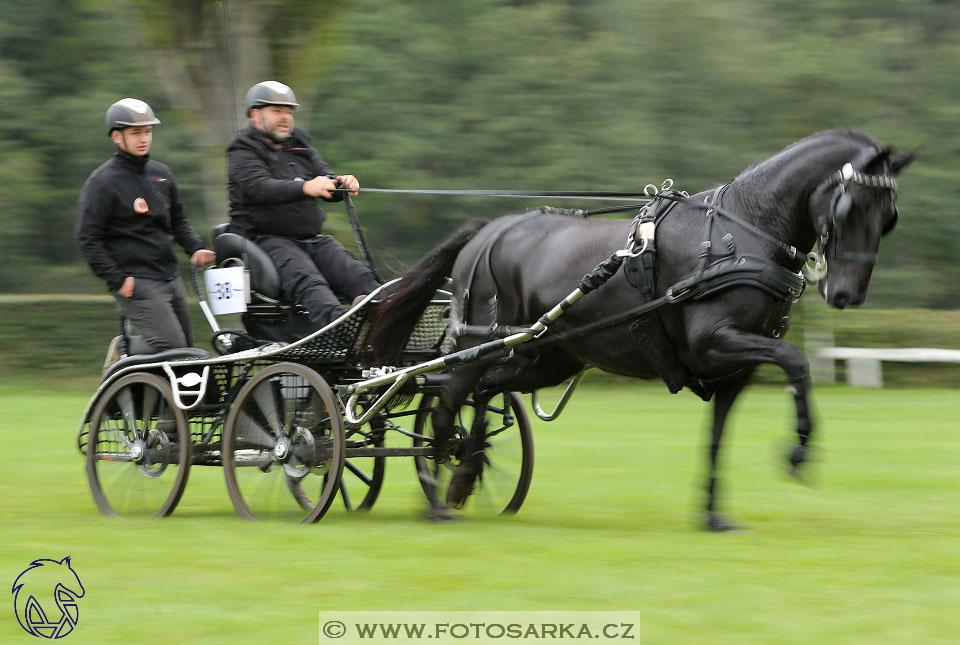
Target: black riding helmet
[(129, 112), (269, 93)]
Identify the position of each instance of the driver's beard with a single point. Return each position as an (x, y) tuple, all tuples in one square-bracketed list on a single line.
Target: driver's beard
[(275, 136)]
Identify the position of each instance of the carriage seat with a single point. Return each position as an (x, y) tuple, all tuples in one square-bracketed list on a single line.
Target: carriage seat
[(264, 278), (179, 354), (272, 314)]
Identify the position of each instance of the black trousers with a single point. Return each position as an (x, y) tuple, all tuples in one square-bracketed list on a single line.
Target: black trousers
[(158, 309), (318, 273)]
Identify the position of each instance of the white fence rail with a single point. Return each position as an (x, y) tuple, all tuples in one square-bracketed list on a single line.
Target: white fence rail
[(864, 364)]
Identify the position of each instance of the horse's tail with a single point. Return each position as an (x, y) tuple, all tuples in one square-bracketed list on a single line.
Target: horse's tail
[(393, 318)]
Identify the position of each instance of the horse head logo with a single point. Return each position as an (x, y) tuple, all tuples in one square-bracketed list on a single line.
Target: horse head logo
[(54, 584)]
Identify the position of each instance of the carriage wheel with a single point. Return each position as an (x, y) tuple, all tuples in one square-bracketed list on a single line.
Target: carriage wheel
[(283, 445), (508, 466), (138, 449), (362, 477)]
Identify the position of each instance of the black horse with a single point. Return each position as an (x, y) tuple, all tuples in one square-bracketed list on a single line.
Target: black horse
[(835, 187)]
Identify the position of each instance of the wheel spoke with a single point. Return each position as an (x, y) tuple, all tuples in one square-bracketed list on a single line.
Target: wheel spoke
[(345, 496), (265, 398), (252, 433), (357, 472), (128, 413), (150, 398)]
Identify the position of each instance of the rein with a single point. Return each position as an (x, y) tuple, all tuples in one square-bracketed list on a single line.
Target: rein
[(552, 194)]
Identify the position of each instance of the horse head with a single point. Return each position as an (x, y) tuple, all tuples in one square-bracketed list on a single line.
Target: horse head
[(852, 209)]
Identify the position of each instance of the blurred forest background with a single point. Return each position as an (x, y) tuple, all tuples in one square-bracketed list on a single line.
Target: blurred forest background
[(480, 94)]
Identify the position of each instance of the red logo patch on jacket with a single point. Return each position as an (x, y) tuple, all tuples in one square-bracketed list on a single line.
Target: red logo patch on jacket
[(140, 205)]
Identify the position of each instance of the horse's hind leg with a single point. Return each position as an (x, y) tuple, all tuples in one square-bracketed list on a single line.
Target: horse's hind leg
[(471, 463), (444, 417), (518, 374)]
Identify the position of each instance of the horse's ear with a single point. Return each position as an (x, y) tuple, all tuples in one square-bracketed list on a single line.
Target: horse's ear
[(902, 161)]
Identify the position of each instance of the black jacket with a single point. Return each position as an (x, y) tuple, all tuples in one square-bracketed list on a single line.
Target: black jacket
[(129, 209), (265, 185)]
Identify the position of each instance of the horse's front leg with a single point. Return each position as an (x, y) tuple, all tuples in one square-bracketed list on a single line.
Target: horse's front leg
[(724, 398), (731, 348)]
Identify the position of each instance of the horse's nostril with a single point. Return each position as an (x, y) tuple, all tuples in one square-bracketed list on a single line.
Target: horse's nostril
[(841, 300)]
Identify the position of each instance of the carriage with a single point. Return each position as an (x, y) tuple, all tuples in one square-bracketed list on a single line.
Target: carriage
[(297, 423), (270, 414)]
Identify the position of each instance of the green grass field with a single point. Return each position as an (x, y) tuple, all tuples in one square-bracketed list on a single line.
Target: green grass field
[(869, 554)]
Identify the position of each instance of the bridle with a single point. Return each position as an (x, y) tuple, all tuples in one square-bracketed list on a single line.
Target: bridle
[(841, 204)]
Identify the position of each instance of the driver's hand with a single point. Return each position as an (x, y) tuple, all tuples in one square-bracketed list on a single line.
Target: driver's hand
[(321, 186), (350, 183)]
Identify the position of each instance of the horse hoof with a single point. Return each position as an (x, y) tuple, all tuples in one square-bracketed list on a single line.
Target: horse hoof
[(457, 497), (797, 455), (461, 487), (440, 514), (796, 462), (718, 524)]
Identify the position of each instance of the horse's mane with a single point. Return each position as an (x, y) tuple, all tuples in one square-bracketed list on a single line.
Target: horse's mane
[(817, 139), (761, 197)]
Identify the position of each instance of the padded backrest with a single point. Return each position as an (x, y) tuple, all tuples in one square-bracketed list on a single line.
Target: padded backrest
[(220, 229), (264, 278)]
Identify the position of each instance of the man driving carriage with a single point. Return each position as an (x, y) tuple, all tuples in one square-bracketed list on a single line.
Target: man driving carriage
[(274, 179), (130, 211)]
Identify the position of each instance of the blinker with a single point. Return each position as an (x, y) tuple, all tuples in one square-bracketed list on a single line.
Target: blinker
[(842, 209), (892, 222)]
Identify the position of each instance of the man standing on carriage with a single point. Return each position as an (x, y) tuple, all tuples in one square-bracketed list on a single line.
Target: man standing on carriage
[(274, 179), (130, 212)]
